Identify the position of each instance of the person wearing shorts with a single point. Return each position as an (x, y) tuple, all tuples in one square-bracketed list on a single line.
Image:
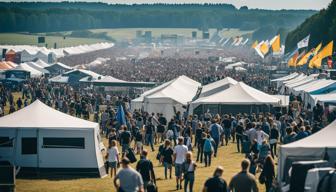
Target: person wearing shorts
[(180, 151), (113, 157)]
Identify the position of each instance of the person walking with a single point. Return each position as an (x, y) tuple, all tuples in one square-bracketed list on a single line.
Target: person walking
[(125, 139), (215, 131), (145, 168), (274, 137), (180, 152), (239, 135), (208, 149), (244, 181), (167, 158), (129, 179), (189, 167), (216, 182), (150, 131), (268, 173), (112, 158)]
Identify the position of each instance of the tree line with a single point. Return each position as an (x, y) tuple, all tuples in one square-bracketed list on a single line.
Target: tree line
[(66, 16), (321, 27)]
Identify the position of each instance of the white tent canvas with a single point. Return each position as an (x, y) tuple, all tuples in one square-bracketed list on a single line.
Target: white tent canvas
[(306, 80), (285, 78), (45, 138), (171, 97), (314, 147), (217, 86), (239, 94)]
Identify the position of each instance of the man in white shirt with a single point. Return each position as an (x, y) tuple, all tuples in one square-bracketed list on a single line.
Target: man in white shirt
[(180, 152)]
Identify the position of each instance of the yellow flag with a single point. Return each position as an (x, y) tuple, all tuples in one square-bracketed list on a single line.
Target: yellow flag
[(305, 58), (264, 48), (325, 52), (292, 60), (276, 44), (254, 44)]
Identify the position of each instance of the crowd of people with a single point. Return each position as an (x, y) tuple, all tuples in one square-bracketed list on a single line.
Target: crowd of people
[(256, 136)]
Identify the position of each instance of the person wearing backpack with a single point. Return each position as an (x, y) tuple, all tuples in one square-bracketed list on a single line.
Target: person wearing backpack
[(207, 150), (146, 170), (215, 131)]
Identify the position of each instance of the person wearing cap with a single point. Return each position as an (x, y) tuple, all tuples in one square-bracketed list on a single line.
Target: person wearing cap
[(216, 182), (129, 179)]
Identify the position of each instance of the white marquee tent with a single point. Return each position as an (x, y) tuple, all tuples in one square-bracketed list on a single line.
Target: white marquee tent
[(315, 147), (306, 80), (217, 86), (44, 138), (285, 78), (169, 97), (238, 94)]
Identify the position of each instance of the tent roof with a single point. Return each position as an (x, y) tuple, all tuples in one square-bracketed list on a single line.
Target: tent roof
[(322, 139), (319, 85), (181, 89), (60, 65), (296, 79), (329, 97), (285, 78), (108, 79), (240, 94), (86, 72), (59, 79), (37, 67), (41, 63), (316, 83), (26, 67), (307, 79), (216, 85), (39, 115)]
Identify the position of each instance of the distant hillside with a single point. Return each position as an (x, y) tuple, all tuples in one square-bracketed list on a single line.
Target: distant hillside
[(321, 27), (65, 16)]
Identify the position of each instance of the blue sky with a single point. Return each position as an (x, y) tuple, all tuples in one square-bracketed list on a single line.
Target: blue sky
[(262, 4)]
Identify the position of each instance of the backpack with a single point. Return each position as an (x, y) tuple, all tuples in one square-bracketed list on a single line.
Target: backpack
[(207, 146)]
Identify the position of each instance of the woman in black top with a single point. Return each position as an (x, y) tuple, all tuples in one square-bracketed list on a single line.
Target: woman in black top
[(167, 158), (268, 172)]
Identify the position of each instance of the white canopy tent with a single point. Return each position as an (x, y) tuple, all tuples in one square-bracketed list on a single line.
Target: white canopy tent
[(217, 86), (238, 94), (237, 64), (324, 98), (306, 80), (315, 147), (285, 78), (26, 67), (44, 138), (169, 97)]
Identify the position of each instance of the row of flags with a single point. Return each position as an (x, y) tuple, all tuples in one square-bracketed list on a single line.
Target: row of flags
[(312, 58), (267, 47)]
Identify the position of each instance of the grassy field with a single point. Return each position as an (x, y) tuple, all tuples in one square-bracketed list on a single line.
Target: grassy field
[(27, 39), (227, 157), (117, 34), (129, 33)]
